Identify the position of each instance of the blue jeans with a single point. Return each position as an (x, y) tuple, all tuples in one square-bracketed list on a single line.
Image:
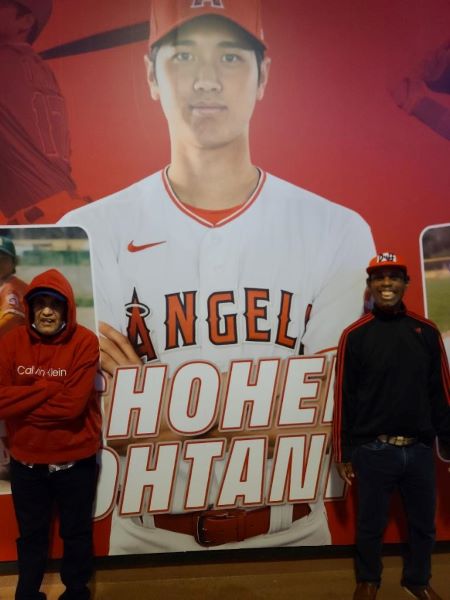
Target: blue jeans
[(380, 469), (36, 492)]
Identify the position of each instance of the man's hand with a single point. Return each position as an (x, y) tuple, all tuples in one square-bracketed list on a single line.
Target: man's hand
[(115, 350), (346, 472)]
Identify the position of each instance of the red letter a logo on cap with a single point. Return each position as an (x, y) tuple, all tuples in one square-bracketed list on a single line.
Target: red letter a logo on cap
[(137, 330), (204, 3)]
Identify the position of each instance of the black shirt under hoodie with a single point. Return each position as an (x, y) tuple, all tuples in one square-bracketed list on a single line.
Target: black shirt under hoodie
[(392, 378)]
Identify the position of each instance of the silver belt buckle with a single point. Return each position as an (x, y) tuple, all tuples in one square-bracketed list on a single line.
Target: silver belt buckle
[(60, 467)]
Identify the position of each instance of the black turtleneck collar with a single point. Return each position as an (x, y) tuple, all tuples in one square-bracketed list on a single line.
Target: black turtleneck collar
[(387, 315)]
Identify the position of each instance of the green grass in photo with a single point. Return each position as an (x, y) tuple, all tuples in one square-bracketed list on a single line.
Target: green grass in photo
[(438, 300)]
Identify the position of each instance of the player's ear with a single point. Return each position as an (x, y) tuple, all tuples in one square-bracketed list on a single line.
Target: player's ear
[(263, 77), (151, 77)]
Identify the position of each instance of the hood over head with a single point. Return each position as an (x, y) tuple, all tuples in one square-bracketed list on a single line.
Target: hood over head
[(53, 282)]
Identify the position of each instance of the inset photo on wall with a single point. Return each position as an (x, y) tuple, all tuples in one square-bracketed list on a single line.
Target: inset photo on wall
[(435, 252), (26, 252)]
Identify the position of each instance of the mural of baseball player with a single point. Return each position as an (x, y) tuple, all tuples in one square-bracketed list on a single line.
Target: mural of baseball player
[(36, 185), (212, 259)]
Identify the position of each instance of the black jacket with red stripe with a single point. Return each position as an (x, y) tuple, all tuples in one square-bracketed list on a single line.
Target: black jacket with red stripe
[(392, 378)]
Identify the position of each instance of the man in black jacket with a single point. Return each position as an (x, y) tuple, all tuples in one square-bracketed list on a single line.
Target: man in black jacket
[(391, 400)]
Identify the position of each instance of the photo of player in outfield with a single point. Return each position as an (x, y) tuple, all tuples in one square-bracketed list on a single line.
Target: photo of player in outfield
[(214, 259), (435, 251), (12, 291), (24, 253)]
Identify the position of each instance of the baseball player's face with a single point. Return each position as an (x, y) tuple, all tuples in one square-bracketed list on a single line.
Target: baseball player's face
[(6, 265), (207, 83), (12, 26), (48, 314), (388, 287)]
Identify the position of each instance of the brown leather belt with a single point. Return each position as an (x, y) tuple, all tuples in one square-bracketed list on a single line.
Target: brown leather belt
[(397, 440), (216, 527)]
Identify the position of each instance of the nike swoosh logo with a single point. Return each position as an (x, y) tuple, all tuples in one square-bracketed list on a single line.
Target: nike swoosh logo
[(133, 248)]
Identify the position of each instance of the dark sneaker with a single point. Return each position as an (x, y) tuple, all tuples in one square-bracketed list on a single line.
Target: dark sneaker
[(39, 596), (84, 594), (365, 591)]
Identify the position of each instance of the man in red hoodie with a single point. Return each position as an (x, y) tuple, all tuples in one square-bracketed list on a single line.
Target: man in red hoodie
[(48, 400)]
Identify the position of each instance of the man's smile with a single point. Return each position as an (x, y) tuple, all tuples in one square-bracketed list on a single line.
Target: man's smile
[(387, 294)]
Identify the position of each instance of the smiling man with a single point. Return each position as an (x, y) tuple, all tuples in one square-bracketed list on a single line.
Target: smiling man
[(391, 400), (214, 259), (53, 421)]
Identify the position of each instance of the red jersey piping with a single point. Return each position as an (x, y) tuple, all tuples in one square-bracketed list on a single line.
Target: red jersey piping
[(236, 213), (337, 414)]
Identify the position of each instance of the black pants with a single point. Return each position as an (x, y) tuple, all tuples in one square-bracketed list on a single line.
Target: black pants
[(380, 469), (35, 493)]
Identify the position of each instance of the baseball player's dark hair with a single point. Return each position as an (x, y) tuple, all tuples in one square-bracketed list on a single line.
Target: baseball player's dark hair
[(248, 39), (14, 260), (21, 11)]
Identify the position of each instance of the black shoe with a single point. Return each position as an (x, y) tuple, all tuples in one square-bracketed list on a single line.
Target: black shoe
[(80, 595)]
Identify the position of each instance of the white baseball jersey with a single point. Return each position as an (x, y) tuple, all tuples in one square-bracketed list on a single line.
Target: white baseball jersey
[(280, 276)]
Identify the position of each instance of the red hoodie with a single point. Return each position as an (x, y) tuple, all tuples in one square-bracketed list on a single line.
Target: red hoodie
[(47, 395)]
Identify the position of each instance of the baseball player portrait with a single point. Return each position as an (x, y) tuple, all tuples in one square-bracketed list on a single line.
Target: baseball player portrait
[(213, 259), (12, 289), (35, 170)]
